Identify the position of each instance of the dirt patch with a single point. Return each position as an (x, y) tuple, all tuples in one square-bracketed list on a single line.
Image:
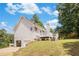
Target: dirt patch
[(8, 51)]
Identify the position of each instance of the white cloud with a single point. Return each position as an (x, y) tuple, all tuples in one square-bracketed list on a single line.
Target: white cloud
[(53, 23), (55, 13), (12, 9), (3, 25), (29, 9), (23, 8), (47, 10)]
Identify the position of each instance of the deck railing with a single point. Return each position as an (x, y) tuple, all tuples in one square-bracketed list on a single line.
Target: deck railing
[(46, 34)]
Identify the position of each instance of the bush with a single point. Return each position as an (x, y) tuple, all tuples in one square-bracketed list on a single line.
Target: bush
[(4, 44), (71, 35), (42, 48)]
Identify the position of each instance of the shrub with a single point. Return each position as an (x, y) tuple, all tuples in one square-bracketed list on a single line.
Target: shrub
[(4, 44), (72, 35)]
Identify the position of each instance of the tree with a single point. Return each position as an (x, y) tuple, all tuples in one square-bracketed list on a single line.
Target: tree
[(69, 19), (51, 30), (5, 38), (2, 34), (36, 20)]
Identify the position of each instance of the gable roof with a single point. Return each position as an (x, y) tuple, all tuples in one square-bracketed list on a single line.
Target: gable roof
[(25, 21)]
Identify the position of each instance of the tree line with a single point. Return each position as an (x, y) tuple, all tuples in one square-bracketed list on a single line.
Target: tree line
[(69, 20)]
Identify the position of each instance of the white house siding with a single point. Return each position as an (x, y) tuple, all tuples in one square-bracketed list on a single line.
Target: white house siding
[(24, 34)]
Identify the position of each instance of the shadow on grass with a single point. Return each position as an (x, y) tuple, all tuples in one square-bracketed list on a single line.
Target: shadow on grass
[(73, 48)]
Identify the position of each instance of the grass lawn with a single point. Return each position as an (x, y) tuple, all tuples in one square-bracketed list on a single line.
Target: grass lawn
[(42, 48), (50, 48), (71, 46)]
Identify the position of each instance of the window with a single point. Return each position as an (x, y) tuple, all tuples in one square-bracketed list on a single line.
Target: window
[(40, 31), (31, 28), (35, 28)]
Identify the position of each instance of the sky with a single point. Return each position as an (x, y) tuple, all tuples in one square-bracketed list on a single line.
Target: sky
[(11, 12)]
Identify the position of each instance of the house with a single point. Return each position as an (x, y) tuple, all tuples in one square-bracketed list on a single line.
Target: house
[(26, 31)]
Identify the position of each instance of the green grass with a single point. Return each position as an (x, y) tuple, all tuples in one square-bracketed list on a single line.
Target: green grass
[(42, 48), (71, 47), (69, 40), (51, 48)]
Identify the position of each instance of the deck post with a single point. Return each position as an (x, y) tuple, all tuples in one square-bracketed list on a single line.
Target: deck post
[(49, 38), (45, 39), (40, 39)]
